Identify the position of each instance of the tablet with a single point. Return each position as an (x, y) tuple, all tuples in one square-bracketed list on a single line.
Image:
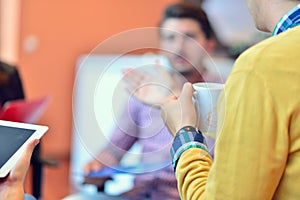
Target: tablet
[(13, 138)]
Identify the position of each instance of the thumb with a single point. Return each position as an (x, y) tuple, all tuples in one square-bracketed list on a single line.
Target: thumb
[(29, 149), (187, 92), (189, 116), (21, 167)]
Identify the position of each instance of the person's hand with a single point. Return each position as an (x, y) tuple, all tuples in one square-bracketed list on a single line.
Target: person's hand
[(152, 88), (93, 165), (179, 112), (107, 159), (12, 186)]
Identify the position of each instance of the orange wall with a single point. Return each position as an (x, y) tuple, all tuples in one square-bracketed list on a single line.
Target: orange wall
[(54, 33)]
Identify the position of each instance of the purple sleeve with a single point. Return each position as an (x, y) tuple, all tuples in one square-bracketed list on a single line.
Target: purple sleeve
[(126, 131)]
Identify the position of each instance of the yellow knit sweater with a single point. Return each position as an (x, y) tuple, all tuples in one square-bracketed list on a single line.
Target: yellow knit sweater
[(257, 154)]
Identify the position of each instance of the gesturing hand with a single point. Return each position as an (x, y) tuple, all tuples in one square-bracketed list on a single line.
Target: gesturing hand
[(152, 88)]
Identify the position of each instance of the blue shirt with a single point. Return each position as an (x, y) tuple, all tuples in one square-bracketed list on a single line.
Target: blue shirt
[(289, 20)]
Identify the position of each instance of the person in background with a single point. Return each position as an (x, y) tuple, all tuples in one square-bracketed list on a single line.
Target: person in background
[(10, 84), (186, 37), (12, 186), (11, 88), (257, 153)]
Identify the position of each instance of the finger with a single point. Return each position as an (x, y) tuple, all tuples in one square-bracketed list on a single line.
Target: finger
[(96, 166), (187, 92), (189, 116), (130, 71), (136, 92), (21, 167), (130, 86), (127, 70), (134, 77), (137, 80), (87, 168), (92, 166)]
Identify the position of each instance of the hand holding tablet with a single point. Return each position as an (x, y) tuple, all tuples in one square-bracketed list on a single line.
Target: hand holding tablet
[(14, 137)]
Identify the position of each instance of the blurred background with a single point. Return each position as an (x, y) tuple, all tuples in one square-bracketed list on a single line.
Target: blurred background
[(45, 38)]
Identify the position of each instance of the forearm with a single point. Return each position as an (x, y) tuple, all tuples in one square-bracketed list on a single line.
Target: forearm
[(191, 162), (192, 173)]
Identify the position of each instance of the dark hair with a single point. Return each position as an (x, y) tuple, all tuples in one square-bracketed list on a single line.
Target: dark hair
[(191, 11)]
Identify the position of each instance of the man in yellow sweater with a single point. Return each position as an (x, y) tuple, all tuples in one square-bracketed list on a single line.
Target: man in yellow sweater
[(257, 154)]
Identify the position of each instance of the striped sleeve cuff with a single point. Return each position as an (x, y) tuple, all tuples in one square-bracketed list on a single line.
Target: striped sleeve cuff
[(186, 138)]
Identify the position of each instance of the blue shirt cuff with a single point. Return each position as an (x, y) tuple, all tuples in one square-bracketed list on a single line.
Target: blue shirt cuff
[(186, 138)]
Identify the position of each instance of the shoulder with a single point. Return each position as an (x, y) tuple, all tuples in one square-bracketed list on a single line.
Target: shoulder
[(270, 52)]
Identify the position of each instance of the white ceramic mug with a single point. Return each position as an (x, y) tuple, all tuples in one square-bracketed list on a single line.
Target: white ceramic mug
[(206, 99)]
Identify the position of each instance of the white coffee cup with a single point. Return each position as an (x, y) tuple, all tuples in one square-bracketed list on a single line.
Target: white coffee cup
[(205, 99)]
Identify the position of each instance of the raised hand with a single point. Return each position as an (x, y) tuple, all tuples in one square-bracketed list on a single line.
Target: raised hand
[(152, 87)]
